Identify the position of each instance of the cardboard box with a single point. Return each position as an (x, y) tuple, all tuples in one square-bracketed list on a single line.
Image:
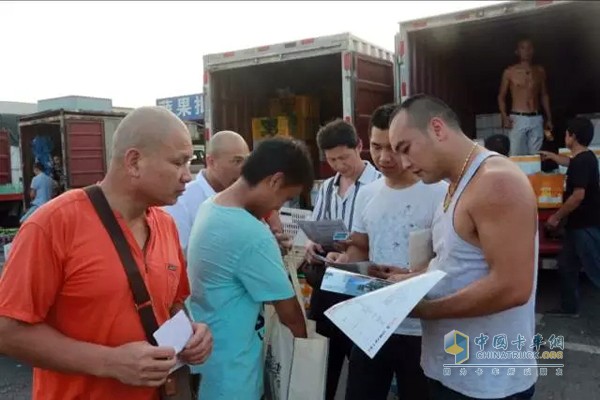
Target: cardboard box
[(306, 129), (548, 189), (267, 127), (302, 107), (288, 126)]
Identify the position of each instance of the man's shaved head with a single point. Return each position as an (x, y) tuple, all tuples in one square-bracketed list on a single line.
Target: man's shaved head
[(225, 154), (223, 141), (422, 108), (426, 134), (145, 128), (151, 153)]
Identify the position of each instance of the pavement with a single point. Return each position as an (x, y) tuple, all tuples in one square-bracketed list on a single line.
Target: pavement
[(15, 380), (580, 378)]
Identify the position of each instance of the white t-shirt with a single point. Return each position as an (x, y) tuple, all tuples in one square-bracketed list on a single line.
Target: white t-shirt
[(185, 210), (388, 216)]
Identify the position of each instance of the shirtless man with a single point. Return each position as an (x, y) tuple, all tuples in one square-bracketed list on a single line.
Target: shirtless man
[(527, 85), (488, 293)]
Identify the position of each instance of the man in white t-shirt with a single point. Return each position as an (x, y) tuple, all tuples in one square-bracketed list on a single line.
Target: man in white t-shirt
[(225, 154), (387, 210)]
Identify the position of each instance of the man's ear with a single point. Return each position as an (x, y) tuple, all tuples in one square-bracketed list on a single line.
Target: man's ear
[(132, 162), (210, 160), (277, 180), (359, 146), (438, 128)]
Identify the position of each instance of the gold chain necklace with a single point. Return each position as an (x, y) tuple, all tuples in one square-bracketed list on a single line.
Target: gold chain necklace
[(450, 192)]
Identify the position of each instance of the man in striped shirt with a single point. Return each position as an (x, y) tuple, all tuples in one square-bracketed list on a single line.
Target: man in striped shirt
[(335, 200)]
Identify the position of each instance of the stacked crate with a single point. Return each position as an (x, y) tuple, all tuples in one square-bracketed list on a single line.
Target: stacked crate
[(290, 116)]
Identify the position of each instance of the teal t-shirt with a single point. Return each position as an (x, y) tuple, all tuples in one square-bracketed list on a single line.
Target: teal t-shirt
[(234, 266)]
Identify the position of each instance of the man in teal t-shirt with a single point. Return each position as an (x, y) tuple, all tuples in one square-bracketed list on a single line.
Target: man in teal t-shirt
[(235, 266)]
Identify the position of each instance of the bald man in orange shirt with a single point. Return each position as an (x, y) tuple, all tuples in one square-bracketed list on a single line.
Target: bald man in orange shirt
[(65, 302)]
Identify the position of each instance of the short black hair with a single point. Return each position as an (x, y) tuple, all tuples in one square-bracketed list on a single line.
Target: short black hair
[(381, 117), (38, 165), (499, 143), (337, 133), (273, 155), (421, 108), (582, 129)]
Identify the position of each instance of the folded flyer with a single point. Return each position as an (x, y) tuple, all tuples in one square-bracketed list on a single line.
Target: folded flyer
[(370, 320), (324, 232), (339, 281)]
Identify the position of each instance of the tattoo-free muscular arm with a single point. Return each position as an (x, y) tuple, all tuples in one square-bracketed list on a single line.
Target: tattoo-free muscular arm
[(510, 280), (545, 95), (504, 85)]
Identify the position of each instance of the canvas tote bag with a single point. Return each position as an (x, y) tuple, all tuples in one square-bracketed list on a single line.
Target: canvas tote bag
[(295, 368)]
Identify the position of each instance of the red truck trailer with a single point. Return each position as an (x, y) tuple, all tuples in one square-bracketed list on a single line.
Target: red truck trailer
[(348, 76)]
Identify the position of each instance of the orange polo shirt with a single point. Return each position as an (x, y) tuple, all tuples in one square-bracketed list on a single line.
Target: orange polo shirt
[(63, 270)]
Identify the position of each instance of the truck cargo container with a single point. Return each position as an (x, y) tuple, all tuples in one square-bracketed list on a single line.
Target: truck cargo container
[(11, 188), (460, 58), (81, 138), (347, 76)]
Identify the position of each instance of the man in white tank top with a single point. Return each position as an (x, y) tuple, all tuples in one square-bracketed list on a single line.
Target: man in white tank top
[(478, 323), (386, 212)]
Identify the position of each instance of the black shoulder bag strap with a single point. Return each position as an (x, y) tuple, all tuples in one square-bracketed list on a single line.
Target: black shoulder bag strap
[(143, 304), (179, 385)]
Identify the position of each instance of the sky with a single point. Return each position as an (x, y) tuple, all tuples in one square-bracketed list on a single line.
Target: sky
[(136, 52)]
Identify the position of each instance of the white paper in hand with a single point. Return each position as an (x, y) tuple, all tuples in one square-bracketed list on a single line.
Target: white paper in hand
[(175, 333), (369, 320)]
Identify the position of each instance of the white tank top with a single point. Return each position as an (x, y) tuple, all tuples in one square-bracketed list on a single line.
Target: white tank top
[(465, 264)]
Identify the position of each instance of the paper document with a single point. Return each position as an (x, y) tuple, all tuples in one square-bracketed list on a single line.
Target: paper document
[(369, 320), (344, 282), (322, 232), (420, 248), (175, 333)]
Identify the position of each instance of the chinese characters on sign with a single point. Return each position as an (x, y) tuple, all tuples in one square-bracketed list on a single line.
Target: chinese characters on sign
[(190, 107), (494, 354)]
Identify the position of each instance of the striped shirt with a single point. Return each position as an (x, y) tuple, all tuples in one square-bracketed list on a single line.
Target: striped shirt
[(330, 205)]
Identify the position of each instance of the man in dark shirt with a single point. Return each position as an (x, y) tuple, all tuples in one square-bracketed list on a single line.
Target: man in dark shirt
[(581, 209)]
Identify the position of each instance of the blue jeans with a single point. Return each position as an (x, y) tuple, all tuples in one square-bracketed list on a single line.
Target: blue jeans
[(581, 250), (437, 391)]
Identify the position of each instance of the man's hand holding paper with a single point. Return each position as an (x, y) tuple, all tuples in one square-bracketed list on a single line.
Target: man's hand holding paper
[(334, 257), (324, 233), (199, 346), (385, 271), (313, 250), (402, 276)]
